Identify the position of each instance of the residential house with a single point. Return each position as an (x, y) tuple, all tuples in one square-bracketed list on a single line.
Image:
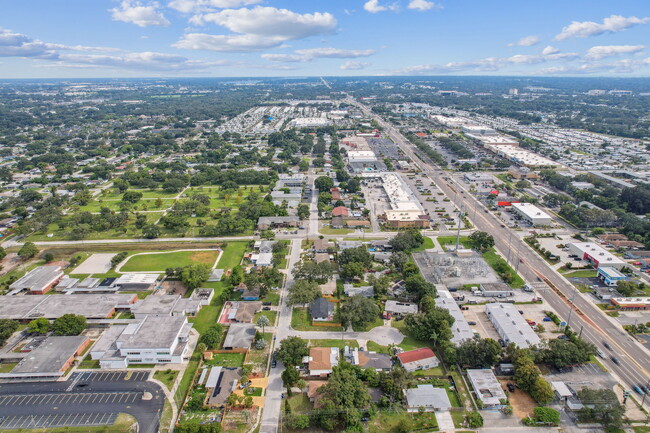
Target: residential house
[(321, 310), (321, 360), (428, 398), (340, 211), (239, 336), (418, 359)]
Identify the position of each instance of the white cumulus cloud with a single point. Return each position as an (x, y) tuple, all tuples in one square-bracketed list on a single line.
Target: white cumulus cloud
[(527, 41), (611, 24), (354, 66), (602, 51), (140, 14), (422, 5), (549, 50), (256, 29), (373, 7)]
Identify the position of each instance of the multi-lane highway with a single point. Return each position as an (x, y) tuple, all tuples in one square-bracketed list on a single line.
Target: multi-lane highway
[(633, 360)]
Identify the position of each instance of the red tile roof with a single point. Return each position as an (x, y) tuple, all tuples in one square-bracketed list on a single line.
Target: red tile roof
[(340, 211), (415, 355)]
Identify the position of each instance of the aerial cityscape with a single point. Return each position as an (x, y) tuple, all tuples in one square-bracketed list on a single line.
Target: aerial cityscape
[(249, 216)]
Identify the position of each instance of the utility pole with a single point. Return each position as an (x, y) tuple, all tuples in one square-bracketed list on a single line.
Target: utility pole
[(460, 218), (568, 322)]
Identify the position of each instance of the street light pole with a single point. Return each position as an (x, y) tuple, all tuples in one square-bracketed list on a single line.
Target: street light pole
[(568, 322)]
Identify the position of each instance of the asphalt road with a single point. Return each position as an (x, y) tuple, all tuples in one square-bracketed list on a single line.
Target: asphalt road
[(67, 403), (596, 327)]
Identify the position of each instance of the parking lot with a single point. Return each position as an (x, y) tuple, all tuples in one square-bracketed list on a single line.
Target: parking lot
[(87, 398), (69, 398), (59, 420), (110, 376), (441, 212)]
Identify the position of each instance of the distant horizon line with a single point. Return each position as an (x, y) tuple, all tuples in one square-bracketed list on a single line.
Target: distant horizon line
[(243, 77)]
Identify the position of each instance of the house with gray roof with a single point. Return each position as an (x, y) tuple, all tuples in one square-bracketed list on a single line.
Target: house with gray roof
[(321, 310), (240, 336), (427, 397)]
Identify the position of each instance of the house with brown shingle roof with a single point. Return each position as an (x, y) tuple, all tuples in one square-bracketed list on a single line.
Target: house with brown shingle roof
[(321, 360)]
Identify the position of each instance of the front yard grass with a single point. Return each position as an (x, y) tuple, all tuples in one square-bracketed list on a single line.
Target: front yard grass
[(301, 321), (271, 315), (334, 343), (158, 262), (371, 346), (426, 245), (226, 360), (387, 421)]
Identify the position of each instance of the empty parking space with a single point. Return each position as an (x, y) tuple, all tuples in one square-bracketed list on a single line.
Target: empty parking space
[(64, 399), (58, 420), (110, 376)]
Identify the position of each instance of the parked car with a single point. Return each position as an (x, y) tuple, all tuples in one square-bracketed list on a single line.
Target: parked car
[(266, 308), (637, 389), (471, 323), (511, 387), (266, 303)]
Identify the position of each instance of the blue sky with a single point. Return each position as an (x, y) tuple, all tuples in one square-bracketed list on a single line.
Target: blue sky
[(144, 38)]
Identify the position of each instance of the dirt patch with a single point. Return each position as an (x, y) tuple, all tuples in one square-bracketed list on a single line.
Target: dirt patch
[(522, 403), (173, 288), (206, 257)]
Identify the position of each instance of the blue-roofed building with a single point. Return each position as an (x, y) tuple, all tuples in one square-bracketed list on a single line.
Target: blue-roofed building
[(611, 276)]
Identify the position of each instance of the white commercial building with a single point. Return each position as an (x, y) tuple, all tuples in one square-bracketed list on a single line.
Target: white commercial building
[(531, 213), (460, 329), (154, 340), (510, 325), (596, 254)]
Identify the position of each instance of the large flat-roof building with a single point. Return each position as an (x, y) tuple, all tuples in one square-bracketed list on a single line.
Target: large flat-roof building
[(510, 325), (92, 306), (531, 213), (39, 280), (596, 254), (49, 360), (153, 340)]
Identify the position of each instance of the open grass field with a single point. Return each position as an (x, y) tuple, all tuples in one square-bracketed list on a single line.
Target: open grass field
[(492, 258), (158, 262), (207, 317), (330, 231), (232, 255), (388, 421), (145, 204), (447, 242)]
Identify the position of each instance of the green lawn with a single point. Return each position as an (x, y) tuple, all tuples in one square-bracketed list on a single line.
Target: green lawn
[(301, 321), (6, 367), (333, 343), (330, 231), (387, 421), (426, 245), (271, 315), (158, 262), (232, 255), (272, 297), (88, 363), (371, 346), (168, 377), (492, 258), (227, 359), (450, 241), (299, 403), (186, 380), (207, 317), (583, 273)]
